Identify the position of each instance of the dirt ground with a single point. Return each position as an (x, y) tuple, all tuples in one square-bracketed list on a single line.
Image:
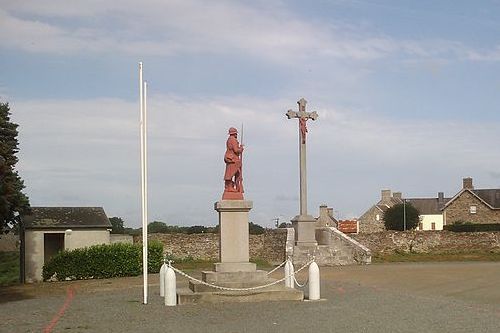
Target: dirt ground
[(406, 297)]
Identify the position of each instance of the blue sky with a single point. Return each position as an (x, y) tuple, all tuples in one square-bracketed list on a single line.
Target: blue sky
[(407, 94)]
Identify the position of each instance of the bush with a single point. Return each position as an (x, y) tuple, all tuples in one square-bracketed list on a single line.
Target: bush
[(472, 227), (103, 261)]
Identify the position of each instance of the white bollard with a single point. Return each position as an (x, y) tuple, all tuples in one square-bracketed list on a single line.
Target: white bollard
[(170, 287), (314, 294), (289, 274), (162, 279)]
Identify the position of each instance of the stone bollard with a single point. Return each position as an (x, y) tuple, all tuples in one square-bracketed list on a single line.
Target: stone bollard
[(170, 287), (289, 274), (162, 279), (314, 283)]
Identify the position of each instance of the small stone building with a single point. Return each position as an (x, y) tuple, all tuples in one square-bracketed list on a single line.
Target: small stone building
[(372, 219), (325, 218), (473, 205), (49, 230)]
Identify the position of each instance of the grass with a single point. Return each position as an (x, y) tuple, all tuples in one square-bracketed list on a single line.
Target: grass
[(436, 257), (9, 268)]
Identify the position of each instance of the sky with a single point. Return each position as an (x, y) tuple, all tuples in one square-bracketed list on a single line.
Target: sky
[(407, 93)]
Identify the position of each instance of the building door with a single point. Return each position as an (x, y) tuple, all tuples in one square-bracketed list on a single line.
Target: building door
[(52, 243)]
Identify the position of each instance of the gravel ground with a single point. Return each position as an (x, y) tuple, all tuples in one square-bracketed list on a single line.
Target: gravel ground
[(417, 297)]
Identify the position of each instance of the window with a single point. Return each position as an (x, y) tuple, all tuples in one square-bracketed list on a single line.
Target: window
[(420, 226), (433, 226), (472, 209), (377, 217)]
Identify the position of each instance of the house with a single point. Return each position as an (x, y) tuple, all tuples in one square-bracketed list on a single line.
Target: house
[(430, 210), (473, 205), (372, 219), (49, 230), (325, 218)]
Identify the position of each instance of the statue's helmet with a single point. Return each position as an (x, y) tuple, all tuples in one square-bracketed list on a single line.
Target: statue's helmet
[(233, 130)]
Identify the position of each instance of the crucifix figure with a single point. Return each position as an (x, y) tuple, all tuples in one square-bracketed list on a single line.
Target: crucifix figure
[(303, 118)]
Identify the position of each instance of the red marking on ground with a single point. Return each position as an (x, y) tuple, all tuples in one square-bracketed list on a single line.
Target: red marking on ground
[(341, 290), (70, 294)]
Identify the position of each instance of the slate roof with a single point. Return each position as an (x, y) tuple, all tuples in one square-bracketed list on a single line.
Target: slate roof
[(428, 206), (66, 217), (383, 205), (490, 196)]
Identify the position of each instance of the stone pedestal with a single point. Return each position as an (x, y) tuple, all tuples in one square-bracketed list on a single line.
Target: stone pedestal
[(305, 230), (234, 269)]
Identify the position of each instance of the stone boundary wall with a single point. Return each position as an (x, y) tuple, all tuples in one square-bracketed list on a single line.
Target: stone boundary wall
[(269, 246), (121, 238), (388, 242)]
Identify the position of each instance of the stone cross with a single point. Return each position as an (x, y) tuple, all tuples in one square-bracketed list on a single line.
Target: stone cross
[(303, 116)]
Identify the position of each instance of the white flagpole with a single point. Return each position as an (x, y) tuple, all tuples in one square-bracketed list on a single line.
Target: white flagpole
[(142, 95)]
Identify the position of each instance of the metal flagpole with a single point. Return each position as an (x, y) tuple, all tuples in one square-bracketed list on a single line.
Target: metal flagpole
[(142, 95)]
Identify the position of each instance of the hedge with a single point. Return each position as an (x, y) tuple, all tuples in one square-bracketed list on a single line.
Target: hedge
[(103, 261), (472, 227)]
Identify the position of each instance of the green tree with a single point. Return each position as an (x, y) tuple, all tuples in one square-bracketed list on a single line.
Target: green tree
[(13, 202), (255, 229), (117, 223), (157, 227), (394, 217)]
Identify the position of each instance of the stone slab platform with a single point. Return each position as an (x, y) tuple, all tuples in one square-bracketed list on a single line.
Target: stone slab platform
[(273, 293)]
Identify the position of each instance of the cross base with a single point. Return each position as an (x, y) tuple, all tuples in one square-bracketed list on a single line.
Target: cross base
[(305, 230)]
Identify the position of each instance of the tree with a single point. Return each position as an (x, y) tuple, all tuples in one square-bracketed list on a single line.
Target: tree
[(117, 223), (13, 202), (285, 225), (157, 227), (394, 217), (255, 229)]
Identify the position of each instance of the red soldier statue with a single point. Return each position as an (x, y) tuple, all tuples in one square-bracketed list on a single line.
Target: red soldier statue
[(233, 178)]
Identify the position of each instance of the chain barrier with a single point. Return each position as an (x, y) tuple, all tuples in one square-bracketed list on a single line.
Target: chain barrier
[(236, 289), (300, 285), (276, 268)]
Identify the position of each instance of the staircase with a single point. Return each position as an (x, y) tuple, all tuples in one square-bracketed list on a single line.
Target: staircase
[(334, 248)]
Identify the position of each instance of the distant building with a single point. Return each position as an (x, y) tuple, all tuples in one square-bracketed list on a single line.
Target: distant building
[(372, 219), (49, 230), (473, 205), (325, 218), (430, 210)]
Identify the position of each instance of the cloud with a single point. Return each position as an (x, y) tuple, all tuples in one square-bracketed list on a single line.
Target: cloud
[(264, 30), (86, 152)]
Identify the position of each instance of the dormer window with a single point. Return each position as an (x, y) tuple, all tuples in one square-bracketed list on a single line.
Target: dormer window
[(377, 217), (472, 209)]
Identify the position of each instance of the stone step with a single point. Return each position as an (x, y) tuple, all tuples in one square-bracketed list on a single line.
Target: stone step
[(273, 293), (256, 276), (200, 287)]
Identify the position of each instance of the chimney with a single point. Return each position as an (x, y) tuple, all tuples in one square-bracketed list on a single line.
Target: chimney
[(323, 211), (397, 195), (468, 183), (386, 195), (440, 198)]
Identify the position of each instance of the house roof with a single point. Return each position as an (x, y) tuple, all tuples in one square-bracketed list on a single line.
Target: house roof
[(428, 206), (490, 197), (383, 205), (66, 217)]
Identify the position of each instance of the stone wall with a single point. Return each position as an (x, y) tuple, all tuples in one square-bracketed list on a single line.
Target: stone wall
[(269, 246), (429, 241), (459, 210)]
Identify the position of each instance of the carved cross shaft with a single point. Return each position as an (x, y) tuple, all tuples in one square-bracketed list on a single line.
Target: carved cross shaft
[(303, 116)]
